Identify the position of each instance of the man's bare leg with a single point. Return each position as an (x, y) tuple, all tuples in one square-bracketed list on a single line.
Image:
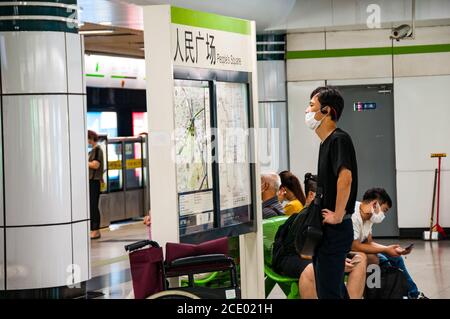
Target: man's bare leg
[(307, 283), (357, 278)]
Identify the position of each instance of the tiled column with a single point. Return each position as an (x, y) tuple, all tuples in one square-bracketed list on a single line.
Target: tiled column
[(44, 214), (272, 100)]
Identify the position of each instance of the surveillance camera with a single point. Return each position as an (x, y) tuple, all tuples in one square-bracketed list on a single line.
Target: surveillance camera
[(401, 32)]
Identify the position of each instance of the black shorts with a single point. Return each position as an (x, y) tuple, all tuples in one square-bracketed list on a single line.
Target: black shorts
[(293, 266)]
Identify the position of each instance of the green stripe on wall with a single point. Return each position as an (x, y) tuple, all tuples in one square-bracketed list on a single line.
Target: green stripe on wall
[(123, 77), (432, 48), (209, 21), (337, 53), (95, 75)]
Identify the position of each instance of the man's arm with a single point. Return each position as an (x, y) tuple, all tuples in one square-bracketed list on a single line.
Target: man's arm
[(94, 164), (344, 184), (371, 247)]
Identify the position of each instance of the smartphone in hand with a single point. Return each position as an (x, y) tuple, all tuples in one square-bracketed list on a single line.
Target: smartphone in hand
[(409, 247)]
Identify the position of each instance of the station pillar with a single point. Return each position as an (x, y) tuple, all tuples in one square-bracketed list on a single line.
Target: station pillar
[(44, 212)]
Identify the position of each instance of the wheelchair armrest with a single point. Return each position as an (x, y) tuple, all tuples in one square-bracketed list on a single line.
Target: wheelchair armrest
[(202, 259), (141, 244)]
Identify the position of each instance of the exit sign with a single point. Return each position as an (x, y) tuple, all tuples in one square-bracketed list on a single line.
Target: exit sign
[(364, 106)]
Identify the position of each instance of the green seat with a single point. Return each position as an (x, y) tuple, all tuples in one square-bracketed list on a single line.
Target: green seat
[(287, 284), (218, 278)]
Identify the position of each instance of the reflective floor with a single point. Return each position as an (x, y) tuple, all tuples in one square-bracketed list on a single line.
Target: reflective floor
[(428, 264)]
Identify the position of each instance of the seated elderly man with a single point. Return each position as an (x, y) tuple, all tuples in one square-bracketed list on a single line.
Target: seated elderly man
[(270, 184)]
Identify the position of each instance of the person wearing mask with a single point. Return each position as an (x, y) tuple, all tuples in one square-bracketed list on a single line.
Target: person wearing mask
[(338, 184), (96, 164), (293, 265), (292, 192), (270, 185), (372, 210)]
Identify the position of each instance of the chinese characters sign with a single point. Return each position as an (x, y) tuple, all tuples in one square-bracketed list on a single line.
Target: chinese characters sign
[(191, 52), (212, 49)]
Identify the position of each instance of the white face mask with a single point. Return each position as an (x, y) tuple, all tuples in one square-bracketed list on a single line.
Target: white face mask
[(311, 122), (377, 217)]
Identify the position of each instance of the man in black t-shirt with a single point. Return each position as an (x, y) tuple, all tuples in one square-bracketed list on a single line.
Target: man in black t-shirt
[(338, 181)]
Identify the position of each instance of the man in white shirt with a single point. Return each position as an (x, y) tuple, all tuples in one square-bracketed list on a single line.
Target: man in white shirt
[(375, 204)]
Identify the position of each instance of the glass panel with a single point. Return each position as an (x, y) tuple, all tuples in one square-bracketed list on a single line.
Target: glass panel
[(140, 123), (103, 123), (115, 179), (234, 156), (103, 185), (193, 150), (133, 157)]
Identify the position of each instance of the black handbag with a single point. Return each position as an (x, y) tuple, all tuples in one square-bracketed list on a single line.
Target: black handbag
[(309, 228)]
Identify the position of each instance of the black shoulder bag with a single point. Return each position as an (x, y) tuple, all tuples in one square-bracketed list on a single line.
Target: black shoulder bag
[(309, 228)]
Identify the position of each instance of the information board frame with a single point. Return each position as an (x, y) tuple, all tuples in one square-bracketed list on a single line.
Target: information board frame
[(212, 77)]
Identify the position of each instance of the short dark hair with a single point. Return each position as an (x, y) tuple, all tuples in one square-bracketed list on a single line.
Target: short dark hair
[(310, 183), (92, 136), (330, 96), (379, 194)]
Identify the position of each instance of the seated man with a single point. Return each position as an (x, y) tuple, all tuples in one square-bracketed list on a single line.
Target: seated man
[(375, 204), (293, 265), (270, 185)]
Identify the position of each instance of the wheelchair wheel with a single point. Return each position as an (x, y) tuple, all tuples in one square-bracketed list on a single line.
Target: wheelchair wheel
[(173, 294)]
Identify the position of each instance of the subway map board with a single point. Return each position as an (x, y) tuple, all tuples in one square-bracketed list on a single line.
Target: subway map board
[(234, 171), (202, 94), (213, 170), (213, 60), (192, 155)]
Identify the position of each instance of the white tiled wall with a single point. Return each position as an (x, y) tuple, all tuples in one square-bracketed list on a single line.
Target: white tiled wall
[(74, 63), (2, 260), (305, 41), (33, 62), (78, 155), (37, 172), (45, 170), (81, 250), (38, 257), (1, 179), (304, 144), (358, 39), (360, 67), (271, 81), (422, 116), (422, 119)]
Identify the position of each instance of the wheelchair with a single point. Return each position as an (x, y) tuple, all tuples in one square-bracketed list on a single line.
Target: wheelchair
[(150, 272)]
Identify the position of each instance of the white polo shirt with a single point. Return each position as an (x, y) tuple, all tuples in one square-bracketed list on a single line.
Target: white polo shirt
[(361, 229)]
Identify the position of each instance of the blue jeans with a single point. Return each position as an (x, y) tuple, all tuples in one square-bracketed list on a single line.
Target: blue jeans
[(398, 262)]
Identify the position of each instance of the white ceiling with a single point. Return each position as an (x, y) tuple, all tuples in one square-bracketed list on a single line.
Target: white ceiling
[(275, 15), (128, 13)]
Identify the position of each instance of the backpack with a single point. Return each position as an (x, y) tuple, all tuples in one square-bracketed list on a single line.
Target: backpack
[(300, 234), (283, 244), (393, 285)]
